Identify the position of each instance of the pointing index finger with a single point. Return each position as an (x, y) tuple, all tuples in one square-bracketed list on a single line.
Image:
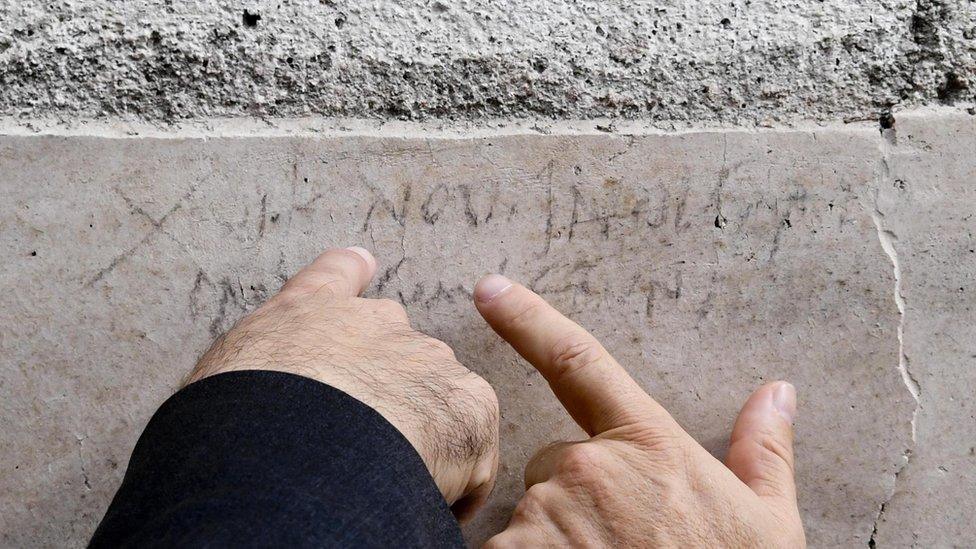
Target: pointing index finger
[(592, 386)]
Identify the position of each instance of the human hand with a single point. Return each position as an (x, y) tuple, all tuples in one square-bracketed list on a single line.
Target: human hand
[(317, 327), (641, 480)]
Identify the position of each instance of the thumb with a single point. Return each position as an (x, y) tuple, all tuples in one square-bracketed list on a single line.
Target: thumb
[(761, 448), (344, 272)]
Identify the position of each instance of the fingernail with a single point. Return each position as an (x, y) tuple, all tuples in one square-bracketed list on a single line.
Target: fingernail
[(784, 400), (490, 287), (364, 253)]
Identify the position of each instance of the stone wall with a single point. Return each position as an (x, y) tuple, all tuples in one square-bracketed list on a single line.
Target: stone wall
[(674, 63)]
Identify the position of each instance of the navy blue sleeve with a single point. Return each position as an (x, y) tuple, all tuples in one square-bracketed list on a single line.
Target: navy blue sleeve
[(259, 458)]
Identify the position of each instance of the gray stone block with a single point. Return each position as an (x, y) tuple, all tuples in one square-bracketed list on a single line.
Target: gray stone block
[(707, 262)]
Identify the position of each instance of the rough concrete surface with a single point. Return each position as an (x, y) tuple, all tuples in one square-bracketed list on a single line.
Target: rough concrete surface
[(677, 63), (708, 262)]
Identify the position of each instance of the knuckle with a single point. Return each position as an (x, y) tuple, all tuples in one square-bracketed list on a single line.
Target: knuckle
[(480, 400), (485, 392), (666, 441), (774, 453), (282, 308), (532, 506), (780, 449), (772, 450), (288, 298), (683, 457), (573, 353), (485, 404), (460, 413), (584, 464), (491, 397), (674, 493)]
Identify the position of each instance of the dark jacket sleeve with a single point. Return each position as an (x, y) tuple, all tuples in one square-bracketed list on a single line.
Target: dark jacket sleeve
[(259, 458)]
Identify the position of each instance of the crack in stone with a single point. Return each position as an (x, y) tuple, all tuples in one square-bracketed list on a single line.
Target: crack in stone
[(81, 462), (887, 239), (872, 541)]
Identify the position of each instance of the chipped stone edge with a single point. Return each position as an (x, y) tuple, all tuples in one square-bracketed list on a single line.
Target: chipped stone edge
[(446, 129), (331, 128)]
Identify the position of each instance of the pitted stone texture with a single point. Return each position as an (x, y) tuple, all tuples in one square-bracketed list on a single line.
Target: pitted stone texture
[(707, 262), (928, 203), (674, 63)]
